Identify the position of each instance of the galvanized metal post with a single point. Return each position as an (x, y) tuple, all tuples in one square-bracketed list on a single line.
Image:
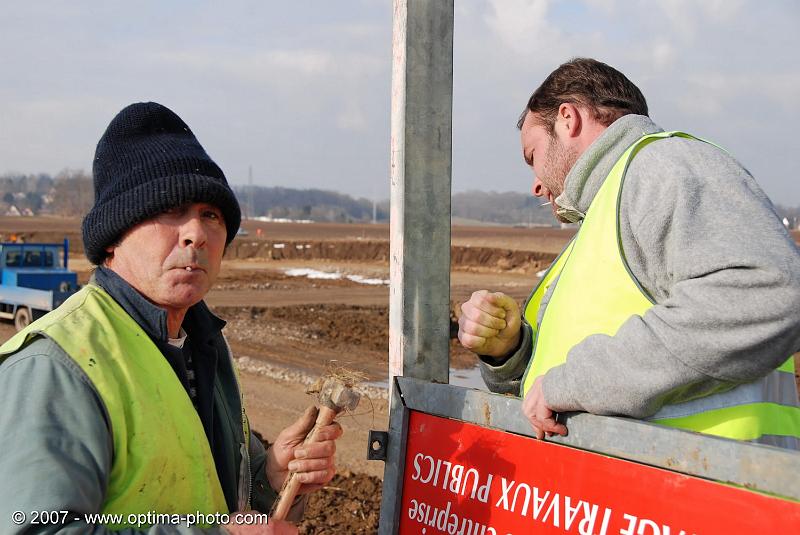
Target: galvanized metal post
[(421, 153), (421, 156)]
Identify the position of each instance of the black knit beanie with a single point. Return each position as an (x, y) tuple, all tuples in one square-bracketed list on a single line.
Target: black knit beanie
[(147, 162)]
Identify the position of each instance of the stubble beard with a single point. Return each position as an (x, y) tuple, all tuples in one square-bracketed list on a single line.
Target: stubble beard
[(558, 164)]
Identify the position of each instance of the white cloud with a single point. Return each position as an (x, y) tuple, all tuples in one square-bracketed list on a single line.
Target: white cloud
[(522, 25), (352, 118), (248, 65), (606, 6), (359, 30), (307, 62), (783, 89), (663, 54), (720, 93), (690, 19)]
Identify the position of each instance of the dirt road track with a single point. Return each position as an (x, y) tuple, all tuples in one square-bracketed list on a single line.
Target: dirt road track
[(364, 295)]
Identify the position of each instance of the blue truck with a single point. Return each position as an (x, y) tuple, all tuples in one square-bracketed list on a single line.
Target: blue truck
[(34, 279)]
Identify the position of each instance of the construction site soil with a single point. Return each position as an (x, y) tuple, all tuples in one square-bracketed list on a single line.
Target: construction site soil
[(299, 298)]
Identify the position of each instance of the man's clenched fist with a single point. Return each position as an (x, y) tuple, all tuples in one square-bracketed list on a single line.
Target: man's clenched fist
[(489, 324)]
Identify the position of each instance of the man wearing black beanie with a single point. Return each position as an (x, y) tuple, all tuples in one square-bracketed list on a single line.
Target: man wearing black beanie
[(125, 399)]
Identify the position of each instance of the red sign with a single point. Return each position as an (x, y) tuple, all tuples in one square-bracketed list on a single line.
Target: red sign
[(464, 479)]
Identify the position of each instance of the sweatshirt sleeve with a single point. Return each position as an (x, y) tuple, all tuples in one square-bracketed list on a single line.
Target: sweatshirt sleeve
[(56, 447), (263, 495), (504, 376), (704, 241)]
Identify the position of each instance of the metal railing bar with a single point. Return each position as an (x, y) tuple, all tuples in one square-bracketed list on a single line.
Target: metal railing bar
[(756, 467)]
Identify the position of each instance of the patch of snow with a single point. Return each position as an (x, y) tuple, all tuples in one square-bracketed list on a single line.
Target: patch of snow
[(316, 274), (313, 274), (364, 280)]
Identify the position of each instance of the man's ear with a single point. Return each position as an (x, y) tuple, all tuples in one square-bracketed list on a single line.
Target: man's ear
[(109, 255), (569, 120)]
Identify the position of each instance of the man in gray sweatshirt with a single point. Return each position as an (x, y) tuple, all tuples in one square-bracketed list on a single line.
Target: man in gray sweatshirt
[(679, 299)]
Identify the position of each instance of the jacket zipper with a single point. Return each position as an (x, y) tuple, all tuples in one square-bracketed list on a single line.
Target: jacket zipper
[(245, 494)]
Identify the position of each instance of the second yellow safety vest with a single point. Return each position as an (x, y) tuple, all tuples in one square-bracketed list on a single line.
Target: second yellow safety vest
[(596, 293)]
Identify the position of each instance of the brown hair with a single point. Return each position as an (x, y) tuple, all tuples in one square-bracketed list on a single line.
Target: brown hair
[(587, 82)]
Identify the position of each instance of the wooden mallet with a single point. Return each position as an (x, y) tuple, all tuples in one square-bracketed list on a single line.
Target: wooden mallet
[(334, 397)]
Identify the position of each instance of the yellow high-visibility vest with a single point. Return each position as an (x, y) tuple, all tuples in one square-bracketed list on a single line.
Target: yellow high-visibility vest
[(596, 293), (162, 461)]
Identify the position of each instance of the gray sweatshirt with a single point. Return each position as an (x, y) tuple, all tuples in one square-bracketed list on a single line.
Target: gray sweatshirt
[(705, 243)]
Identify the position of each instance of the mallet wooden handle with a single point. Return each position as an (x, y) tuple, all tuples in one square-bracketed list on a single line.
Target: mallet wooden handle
[(292, 484)]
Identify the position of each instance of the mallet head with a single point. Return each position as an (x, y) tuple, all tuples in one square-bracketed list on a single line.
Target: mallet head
[(337, 396)]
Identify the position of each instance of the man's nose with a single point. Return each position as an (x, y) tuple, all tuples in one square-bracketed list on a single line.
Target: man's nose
[(193, 233), (538, 188)]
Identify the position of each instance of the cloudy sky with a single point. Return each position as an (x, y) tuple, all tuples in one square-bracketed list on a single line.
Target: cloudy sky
[(300, 90)]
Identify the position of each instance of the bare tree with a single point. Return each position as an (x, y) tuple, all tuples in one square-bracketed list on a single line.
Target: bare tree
[(73, 193)]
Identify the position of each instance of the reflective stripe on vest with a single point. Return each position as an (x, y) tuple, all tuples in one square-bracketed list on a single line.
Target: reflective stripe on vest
[(162, 461), (596, 293)]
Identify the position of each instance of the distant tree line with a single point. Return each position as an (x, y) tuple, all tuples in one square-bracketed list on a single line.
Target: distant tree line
[(70, 193), (507, 208), (313, 204)]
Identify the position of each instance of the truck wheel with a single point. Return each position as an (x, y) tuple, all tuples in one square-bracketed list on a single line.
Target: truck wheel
[(22, 318)]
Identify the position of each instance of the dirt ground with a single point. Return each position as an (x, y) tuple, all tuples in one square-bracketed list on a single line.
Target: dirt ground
[(299, 325), (351, 502)]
